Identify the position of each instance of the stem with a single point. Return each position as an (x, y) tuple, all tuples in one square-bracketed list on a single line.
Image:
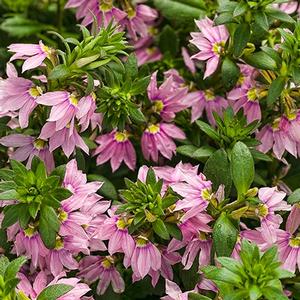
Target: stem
[(60, 15)]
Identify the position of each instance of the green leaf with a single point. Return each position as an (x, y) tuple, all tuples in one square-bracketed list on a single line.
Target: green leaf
[(131, 67), (61, 193), (168, 41), (208, 130), (174, 231), (261, 20), (48, 226), (217, 169), (107, 190), (6, 174), (7, 185), (160, 229), (9, 195), (18, 167), (224, 236), (279, 15), (240, 38), (240, 9), (271, 293), (254, 292), (59, 72), (230, 73), (11, 215), (224, 18), (242, 167), (260, 60), (187, 150), (59, 171), (194, 296), (294, 197), (55, 291), (4, 262), (151, 178), (136, 114), (275, 90), (24, 217), (139, 86), (13, 268)]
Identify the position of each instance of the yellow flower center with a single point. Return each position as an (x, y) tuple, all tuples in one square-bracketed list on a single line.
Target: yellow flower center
[(292, 115), (107, 262), (209, 95), (121, 136), (47, 50), (206, 194), (252, 94), (275, 124), (158, 106), (151, 50), (241, 79), (121, 224), (153, 128), (295, 242), (106, 5), (39, 144), (59, 243), (202, 236), (73, 100), (62, 216), (29, 232), (262, 210), (35, 91), (218, 48), (141, 241)]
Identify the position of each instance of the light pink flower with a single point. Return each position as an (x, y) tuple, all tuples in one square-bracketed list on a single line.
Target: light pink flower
[(18, 95), (102, 10), (174, 292), (67, 138), (145, 257), (28, 147), (93, 268), (279, 137), (289, 8), (167, 99), (138, 20), (211, 43), (116, 147), (205, 101), (158, 138), (247, 97), (33, 54), (188, 61)]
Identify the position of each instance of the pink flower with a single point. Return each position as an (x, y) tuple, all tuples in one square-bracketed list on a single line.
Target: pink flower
[(28, 242), (145, 257), (102, 268), (18, 94), (64, 107), (205, 100), (115, 230), (280, 136), (247, 97), (293, 220), (289, 8), (158, 138), (188, 61), (211, 43), (200, 243), (68, 138), (272, 201), (28, 147), (167, 99), (138, 20), (174, 292), (104, 11), (34, 55), (116, 147)]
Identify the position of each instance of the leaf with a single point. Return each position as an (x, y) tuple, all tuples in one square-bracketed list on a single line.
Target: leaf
[(59, 72), (279, 15), (275, 90), (11, 215), (294, 197), (223, 18), (217, 169), (4, 262), (136, 114), (168, 41), (240, 38), (6, 174), (203, 152), (61, 193), (131, 67), (7, 185), (139, 86), (48, 226), (9, 195), (260, 60), (13, 268), (107, 189), (271, 293), (224, 236), (160, 229), (242, 167), (151, 178), (240, 9), (230, 73), (18, 167), (261, 20), (174, 231), (194, 296), (59, 171), (55, 291), (187, 150), (208, 130)]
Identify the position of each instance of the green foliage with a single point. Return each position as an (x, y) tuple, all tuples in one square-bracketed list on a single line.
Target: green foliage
[(37, 197), (256, 276)]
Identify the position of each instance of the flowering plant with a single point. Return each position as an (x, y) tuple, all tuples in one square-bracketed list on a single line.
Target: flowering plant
[(151, 152)]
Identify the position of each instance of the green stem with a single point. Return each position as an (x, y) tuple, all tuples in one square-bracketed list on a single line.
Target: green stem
[(60, 15)]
